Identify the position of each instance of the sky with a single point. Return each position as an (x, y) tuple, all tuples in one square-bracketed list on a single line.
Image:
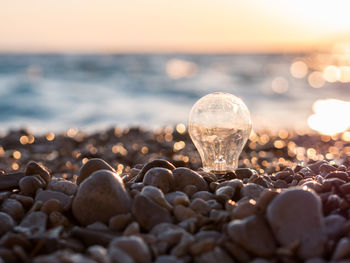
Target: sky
[(171, 26)]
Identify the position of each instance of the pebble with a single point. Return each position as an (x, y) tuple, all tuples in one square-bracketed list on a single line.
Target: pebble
[(252, 191), (119, 222), (148, 213), (119, 256), (13, 208), (243, 173), (185, 176), (34, 168), (35, 223), (6, 223), (253, 234), (205, 195), (198, 205), (46, 195), (99, 254), (295, 215), (225, 193), (10, 181), (52, 205), (177, 198), (161, 178), (167, 259), (335, 225), (29, 185), (133, 246), (91, 166), (132, 229), (182, 213), (63, 186), (155, 163), (26, 201), (342, 249), (101, 196), (157, 196), (56, 218), (244, 208), (215, 255)]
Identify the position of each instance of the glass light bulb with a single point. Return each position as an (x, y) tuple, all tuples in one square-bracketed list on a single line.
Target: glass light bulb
[(219, 125)]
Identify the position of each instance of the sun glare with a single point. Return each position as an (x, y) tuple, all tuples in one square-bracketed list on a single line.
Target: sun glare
[(330, 116)]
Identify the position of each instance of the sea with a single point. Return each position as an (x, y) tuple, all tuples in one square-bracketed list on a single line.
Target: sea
[(55, 92)]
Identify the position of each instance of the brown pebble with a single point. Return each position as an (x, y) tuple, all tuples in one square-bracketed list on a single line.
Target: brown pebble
[(177, 198), (34, 168), (58, 219), (244, 208), (29, 185), (63, 186), (52, 205), (119, 222), (185, 176), (190, 190), (35, 223), (132, 229), (133, 246), (10, 181), (253, 234), (200, 206), (13, 208), (155, 163), (182, 212), (26, 201), (101, 196), (46, 195), (148, 213), (91, 166), (161, 178), (6, 223)]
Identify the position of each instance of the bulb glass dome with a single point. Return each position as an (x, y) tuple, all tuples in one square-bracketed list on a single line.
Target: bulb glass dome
[(219, 125)]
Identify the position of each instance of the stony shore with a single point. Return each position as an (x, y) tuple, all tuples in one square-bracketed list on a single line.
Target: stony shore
[(140, 196)]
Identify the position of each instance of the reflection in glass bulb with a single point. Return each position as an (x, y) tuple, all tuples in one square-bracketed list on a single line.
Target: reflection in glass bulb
[(219, 126)]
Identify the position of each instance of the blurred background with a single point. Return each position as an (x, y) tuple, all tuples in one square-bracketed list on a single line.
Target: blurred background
[(101, 63)]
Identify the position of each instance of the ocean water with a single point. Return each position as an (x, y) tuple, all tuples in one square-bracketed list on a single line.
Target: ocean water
[(92, 92)]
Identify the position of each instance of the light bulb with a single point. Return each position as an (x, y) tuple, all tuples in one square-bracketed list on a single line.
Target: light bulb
[(219, 125)]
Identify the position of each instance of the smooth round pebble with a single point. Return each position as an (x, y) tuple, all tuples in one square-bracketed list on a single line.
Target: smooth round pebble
[(28, 185), (295, 215), (161, 178), (91, 166), (101, 196), (184, 176)]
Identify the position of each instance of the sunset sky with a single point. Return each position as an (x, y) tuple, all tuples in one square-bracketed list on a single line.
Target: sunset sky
[(168, 26)]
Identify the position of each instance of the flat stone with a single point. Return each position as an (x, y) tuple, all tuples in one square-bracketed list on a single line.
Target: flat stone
[(295, 215), (101, 196)]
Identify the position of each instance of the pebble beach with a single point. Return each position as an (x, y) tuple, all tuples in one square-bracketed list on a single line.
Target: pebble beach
[(135, 195)]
